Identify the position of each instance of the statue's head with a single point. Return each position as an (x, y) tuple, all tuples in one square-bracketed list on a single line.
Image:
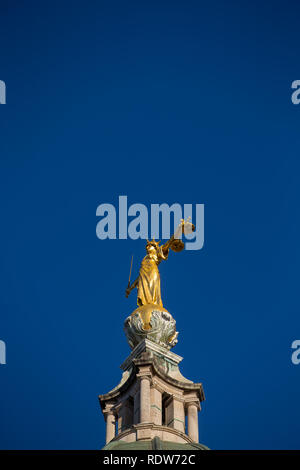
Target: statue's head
[(152, 246)]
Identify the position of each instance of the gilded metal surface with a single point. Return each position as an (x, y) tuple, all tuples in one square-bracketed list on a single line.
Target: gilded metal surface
[(148, 281)]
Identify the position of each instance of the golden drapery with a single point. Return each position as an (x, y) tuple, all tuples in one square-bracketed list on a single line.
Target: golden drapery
[(149, 279)]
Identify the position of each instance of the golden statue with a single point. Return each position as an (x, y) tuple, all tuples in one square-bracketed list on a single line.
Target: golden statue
[(148, 281)]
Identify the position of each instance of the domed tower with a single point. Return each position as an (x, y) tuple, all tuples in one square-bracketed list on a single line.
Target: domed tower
[(154, 406)]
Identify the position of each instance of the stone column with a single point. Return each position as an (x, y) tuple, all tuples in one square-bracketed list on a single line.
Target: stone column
[(145, 399), (136, 407), (120, 420), (193, 421), (178, 415), (125, 415), (175, 416), (110, 426), (156, 406)]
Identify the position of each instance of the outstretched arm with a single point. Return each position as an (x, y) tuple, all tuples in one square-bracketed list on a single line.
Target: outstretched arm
[(166, 246), (175, 242), (130, 288)]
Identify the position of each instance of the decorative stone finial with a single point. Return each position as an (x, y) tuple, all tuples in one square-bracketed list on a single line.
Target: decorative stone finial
[(152, 322)]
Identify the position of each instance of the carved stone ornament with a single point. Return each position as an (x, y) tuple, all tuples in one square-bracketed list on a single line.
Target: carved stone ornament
[(151, 322)]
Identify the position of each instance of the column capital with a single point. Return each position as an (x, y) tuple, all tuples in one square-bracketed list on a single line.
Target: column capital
[(109, 409), (178, 398), (194, 402), (144, 370), (142, 376)]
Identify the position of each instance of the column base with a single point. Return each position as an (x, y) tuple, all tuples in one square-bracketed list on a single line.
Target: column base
[(147, 431)]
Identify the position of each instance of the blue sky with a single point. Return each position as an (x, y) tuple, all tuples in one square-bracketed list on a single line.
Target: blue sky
[(186, 102)]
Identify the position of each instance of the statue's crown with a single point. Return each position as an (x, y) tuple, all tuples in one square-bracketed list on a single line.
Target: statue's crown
[(153, 243)]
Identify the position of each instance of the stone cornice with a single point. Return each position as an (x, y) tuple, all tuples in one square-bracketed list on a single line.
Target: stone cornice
[(147, 345), (144, 361), (185, 386)]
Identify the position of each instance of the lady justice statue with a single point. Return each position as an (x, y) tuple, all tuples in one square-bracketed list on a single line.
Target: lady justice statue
[(150, 309)]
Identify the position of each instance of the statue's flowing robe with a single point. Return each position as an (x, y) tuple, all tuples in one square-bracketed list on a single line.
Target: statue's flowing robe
[(149, 280)]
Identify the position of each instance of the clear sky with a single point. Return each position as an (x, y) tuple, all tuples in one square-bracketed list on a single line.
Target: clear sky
[(186, 102)]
